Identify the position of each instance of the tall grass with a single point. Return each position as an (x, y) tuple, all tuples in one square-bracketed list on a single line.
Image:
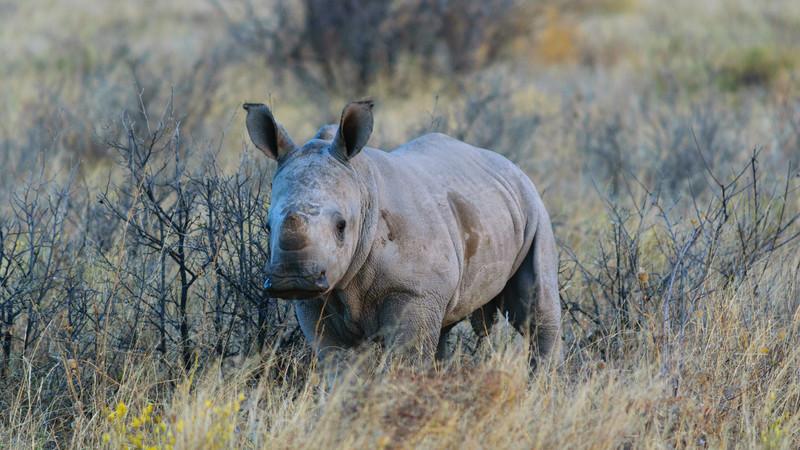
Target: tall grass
[(735, 386)]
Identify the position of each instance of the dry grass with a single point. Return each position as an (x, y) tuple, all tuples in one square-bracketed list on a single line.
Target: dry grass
[(733, 382)]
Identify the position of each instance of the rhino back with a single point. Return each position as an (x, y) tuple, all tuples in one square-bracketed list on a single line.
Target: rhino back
[(455, 220)]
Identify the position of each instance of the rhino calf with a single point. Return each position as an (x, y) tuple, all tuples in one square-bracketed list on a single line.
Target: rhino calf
[(402, 245)]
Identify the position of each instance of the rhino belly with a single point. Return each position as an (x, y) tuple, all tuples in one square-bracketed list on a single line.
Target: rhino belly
[(490, 246)]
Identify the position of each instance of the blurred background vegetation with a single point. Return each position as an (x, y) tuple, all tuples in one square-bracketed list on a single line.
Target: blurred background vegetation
[(526, 78), (664, 136)]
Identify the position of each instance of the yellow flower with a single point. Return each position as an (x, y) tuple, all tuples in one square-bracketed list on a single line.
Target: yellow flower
[(384, 441), (121, 409), (136, 422), (106, 438), (763, 350)]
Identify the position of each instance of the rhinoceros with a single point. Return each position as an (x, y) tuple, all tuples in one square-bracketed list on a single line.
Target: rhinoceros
[(400, 246)]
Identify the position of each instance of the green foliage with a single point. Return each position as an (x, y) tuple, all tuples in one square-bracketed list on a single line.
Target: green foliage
[(756, 66)]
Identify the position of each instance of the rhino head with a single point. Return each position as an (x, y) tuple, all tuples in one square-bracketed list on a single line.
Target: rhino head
[(317, 202)]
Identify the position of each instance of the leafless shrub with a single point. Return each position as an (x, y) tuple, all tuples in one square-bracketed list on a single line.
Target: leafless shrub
[(346, 46), (193, 245), (657, 252), (168, 259)]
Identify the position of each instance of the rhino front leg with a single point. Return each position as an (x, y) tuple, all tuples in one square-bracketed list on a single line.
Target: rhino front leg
[(411, 328), (328, 345)]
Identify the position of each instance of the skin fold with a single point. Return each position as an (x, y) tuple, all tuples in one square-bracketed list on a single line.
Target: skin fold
[(399, 246)]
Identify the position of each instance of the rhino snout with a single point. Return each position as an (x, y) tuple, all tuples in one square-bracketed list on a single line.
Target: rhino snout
[(294, 233)]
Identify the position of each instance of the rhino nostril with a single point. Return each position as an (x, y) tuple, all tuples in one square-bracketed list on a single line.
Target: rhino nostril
[(322, 281)]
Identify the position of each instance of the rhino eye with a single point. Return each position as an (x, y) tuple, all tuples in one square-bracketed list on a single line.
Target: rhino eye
[(341, 224)]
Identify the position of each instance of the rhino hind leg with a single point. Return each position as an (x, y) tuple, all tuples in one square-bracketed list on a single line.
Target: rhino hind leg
[(482, 319), (531, 298), (442, 350)]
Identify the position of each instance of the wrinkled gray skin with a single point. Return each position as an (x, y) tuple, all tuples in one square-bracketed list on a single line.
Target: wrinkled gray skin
[(399, 246)]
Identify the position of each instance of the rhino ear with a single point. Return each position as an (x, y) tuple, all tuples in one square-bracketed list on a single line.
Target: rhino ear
[(354, 130), (267, 134)]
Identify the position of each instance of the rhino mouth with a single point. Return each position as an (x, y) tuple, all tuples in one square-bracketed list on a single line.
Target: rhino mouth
[(296, 287), (296, 294)]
